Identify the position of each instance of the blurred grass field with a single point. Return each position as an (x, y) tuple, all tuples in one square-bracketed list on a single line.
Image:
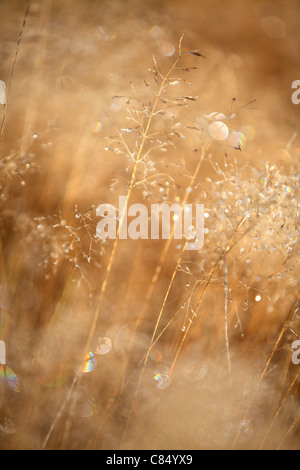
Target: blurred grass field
[(216, 326)]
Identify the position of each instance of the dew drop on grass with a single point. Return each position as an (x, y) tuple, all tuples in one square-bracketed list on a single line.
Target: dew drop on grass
[(98, 127), (297, 314), (220, 116), (218, 131), (247, 427), (103, 347), (88, 408), (249, 132), (89, 365), (8, 426), (167, 49), (237, 140), (190, 234), (157, 32), (162, 381), (162, 378), (10, 378)]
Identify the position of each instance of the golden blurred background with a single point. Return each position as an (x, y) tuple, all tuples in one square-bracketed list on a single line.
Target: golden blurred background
[(67, 66)]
